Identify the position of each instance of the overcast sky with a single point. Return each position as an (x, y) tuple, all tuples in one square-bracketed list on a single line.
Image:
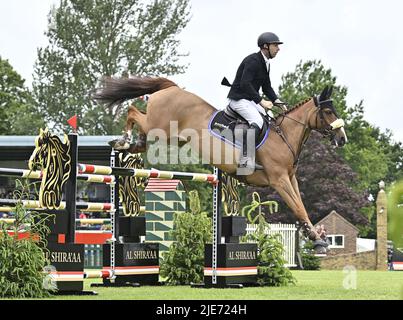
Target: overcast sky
[(360, 40)]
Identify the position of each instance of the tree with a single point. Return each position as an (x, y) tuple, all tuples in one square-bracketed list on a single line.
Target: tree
[(16, 104), (364, 151), (90, 39), (372, 154), (309, 79), (326, 179)]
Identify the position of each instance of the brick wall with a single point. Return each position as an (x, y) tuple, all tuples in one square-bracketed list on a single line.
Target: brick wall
[(337, 225), (361, 261)]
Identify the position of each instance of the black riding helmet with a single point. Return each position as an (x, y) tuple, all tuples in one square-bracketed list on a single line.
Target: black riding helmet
[(268, 37)]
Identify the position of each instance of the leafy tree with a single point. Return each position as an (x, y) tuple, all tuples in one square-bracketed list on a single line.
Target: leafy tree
[(395, 213), (363, 152), (309, 79), (16, 104), (371, 154), (90, 39)]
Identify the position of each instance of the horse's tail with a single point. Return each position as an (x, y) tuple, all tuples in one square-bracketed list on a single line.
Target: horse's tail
[(116, 90)]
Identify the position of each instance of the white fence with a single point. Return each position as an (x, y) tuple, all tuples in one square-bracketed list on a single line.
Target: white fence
[(288, 233)]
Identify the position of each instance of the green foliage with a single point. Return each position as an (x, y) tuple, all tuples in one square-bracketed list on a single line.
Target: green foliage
[(371, 154), (271, 269), (184, 262), (90, 39), (16, 104), (395, 212), (309, 79), (309, 260), (363, 152), (23, 260)]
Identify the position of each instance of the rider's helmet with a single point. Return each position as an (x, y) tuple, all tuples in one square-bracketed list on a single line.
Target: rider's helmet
[(268, 37)]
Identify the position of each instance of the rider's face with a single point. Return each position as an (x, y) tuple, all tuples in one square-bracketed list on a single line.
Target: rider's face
[(274, 49)]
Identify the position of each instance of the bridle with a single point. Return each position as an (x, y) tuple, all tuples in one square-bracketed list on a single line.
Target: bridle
[(327, 130)]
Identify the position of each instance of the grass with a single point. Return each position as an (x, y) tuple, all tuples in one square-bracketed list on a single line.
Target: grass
[(311, 285)]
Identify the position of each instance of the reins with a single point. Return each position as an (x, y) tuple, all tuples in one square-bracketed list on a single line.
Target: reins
[(279, 131)]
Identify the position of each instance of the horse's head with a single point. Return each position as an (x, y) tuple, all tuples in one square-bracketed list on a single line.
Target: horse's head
[(54, 159), (327, 120), (39, 157)]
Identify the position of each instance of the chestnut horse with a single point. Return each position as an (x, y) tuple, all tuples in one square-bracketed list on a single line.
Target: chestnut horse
[(279, 154)]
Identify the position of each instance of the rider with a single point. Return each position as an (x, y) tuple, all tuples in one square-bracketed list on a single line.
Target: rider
[(244, 97)]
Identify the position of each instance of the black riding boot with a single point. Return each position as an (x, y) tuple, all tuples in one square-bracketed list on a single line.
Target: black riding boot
[(140, 145), (248, 161)]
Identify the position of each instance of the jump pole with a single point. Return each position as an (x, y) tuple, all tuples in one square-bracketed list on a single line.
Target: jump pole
[(24, 173)]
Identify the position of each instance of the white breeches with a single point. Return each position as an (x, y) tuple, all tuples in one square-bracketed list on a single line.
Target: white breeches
[(249, 110)]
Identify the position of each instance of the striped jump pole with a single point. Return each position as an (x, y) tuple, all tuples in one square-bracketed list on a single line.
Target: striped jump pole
[(7, 221), (82, 221), (120, 271), (147, 173), (93, 221), (38, 175), (9, 205)]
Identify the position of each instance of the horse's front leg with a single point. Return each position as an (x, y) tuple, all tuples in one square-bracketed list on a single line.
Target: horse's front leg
[(286, 188), (294, 183)]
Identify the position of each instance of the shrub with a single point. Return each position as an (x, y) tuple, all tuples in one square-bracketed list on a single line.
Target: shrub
[(271, 269), (184, 262), (309, 260), (23, 260)]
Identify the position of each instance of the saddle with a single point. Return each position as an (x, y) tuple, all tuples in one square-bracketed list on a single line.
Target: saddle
[(223, 123)]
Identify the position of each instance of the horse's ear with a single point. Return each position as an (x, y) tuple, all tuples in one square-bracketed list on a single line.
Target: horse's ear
[(324, 94), (330, 91)]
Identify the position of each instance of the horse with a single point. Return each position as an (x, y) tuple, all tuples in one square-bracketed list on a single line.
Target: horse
[(168, 103)]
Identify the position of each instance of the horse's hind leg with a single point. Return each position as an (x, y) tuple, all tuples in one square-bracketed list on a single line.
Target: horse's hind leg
[(134, 116)]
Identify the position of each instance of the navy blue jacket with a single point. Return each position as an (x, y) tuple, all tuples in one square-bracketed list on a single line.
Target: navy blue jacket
[(252, 75)]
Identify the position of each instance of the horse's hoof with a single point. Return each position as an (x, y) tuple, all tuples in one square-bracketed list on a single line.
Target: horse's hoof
[(119, 144)]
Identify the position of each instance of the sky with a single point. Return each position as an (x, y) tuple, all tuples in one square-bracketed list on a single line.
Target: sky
[(359, 40)]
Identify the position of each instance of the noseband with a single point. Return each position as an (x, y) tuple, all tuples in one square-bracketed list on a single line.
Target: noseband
[(327, 130)]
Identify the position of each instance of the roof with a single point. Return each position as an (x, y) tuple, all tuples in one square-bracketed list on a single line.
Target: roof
[(339, 217), (163, 185), (21, 147), (28, 141)]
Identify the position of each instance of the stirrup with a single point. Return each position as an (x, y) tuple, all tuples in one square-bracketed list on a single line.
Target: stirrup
[(246, 162), (258, 166)]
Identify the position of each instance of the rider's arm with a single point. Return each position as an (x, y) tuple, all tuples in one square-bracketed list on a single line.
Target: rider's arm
[(248, 75), (268, 90)]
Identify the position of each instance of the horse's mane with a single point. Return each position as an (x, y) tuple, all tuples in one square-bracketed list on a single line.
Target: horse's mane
[(299, 104)]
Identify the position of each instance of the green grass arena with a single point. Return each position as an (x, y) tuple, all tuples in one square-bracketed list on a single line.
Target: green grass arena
[(311, 285)]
